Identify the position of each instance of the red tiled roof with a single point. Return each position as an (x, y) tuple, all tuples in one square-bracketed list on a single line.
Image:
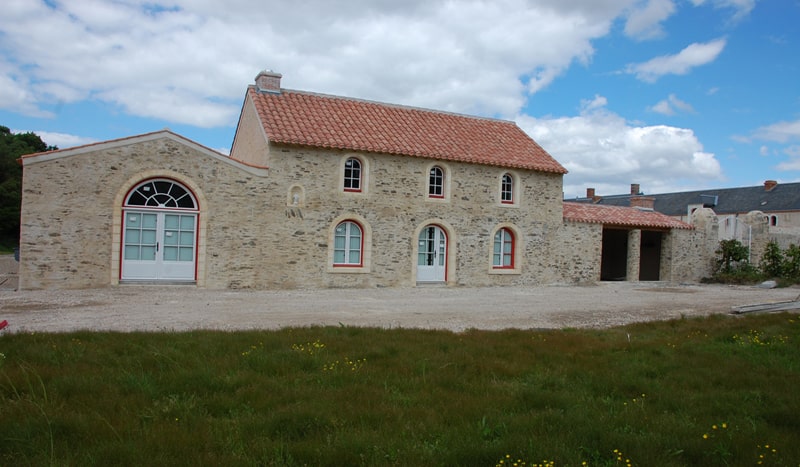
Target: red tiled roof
[(309, 119), (620, 216)]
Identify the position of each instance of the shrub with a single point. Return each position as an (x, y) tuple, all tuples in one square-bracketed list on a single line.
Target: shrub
[(733, 256), (772, 261), (791, 265)]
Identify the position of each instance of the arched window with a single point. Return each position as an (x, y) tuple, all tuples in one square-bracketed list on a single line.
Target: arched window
[(773, 221), (352, 174), (436, 182), (161, 193), (503, 251), (347, 244), (507, 189), (160, 232)]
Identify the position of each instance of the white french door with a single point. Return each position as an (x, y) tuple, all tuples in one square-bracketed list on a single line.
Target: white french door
[(159, 246), (432, 255)]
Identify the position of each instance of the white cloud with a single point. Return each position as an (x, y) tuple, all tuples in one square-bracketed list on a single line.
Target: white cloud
[(187, 61), (644, 21), (15, 96), (692, 56), (741, 8), (793, 164), (780, 132), (672, 105), (63, 140), (793, 151), (603, 151)]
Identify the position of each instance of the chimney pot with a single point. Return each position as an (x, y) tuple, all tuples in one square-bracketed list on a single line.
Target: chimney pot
[(590, 192), (269, 81), (635, 188), (770, 184)]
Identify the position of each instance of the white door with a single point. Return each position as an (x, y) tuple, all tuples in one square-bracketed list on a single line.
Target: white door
[(159, 246), (432, 255)]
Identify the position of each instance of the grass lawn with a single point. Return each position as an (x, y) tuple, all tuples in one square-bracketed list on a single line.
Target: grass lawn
[(690, 392)]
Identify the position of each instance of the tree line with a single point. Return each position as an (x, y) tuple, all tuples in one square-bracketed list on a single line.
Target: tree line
[(12, 147)]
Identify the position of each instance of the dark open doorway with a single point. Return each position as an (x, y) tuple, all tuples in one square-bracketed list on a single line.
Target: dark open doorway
[(614, 259), (650, 257)]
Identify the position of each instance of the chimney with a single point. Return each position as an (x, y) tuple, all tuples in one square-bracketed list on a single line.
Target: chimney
[(269, 81), (643, 202), (590, 194), (635, 188), (770, 184)]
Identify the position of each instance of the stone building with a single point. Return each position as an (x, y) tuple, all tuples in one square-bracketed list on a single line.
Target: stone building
[(754, 215), (327, 191)]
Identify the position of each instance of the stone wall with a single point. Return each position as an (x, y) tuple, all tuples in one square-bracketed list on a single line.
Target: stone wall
[(393, 206), (71, 209), (9, 278), (274, 229), (576, 253), (689, 255)]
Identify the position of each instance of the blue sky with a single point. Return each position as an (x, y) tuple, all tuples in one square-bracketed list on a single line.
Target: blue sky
[(669, 94)]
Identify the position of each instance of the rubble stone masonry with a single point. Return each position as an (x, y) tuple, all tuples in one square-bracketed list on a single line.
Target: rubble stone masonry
[(273, 228)]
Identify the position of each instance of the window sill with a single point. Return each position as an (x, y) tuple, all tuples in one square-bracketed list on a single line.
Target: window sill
[(346, 269), (505, 271)]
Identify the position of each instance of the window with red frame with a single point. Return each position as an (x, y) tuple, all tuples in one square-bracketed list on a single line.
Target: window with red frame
[(347, 244), (352, 175), (436, 183), (507, 189), (503, 252)]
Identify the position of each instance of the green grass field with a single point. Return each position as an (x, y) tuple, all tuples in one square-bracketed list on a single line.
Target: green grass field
[(691, 392)]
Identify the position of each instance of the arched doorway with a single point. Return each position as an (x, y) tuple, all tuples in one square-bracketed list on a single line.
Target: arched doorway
[(159, 235), (432, 255)]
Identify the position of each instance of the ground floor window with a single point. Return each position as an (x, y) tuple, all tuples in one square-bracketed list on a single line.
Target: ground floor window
[(348, 242), (503, 251)]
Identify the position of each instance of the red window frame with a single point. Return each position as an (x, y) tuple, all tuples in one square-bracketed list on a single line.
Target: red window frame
[(352, 174), (507, 189), (346, 248), (436, 182), (506, 237)]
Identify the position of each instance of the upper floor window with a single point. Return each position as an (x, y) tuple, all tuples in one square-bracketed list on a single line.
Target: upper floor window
[(347, 244), (436, 182), (773, 221), (352, 174), (503, 251), (507, 189)]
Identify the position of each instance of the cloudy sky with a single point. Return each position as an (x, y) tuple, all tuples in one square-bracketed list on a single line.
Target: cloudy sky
[(669, 94)]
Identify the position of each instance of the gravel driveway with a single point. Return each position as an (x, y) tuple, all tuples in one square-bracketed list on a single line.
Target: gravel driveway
[(156, 308)]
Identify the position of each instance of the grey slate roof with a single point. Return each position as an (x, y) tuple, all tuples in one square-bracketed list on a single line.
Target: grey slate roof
[(783, 197)]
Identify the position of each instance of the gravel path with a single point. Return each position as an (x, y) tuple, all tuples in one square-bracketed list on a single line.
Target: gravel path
[(156, 308)]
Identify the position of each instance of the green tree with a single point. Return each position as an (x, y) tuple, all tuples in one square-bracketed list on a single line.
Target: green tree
[(12, 146)]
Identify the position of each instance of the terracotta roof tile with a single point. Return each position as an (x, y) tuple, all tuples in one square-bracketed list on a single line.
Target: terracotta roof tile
[(294, 117), (620, 216)]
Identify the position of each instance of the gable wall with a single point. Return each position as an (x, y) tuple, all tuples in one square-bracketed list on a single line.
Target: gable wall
[(71, 211), (250, 144)]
